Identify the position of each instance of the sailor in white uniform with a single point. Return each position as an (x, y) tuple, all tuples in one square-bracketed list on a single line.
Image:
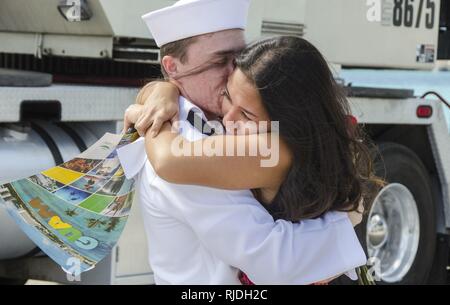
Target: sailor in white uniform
[(200, 235)]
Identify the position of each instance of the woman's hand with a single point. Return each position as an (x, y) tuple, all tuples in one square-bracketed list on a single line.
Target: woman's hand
[(158, 103), (132, 114)]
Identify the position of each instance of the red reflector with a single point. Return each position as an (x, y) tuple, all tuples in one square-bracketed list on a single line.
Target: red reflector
[(424, 111), (352, 120)]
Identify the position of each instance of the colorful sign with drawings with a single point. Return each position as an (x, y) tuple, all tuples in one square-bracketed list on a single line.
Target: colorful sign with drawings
[(76, 210)]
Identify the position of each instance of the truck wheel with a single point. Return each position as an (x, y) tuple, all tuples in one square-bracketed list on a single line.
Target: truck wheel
[(399, 234)]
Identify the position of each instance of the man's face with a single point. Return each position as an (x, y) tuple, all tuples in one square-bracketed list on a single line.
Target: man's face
[(212, 56)]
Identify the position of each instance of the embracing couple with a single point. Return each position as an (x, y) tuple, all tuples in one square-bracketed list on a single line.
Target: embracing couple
[(225, 218)]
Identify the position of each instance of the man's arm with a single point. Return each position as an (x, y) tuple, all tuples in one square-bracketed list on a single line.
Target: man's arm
[(239, 231)]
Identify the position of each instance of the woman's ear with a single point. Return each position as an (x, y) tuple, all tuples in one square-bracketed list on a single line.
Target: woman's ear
[(169, 64)]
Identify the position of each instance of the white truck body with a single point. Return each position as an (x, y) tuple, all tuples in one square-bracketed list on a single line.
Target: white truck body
[(350, 33)]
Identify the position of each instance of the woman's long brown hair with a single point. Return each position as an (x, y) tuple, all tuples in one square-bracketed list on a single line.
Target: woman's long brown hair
[(332, 168)]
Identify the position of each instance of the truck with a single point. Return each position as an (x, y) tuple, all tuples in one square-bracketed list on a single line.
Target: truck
[(70, 68)]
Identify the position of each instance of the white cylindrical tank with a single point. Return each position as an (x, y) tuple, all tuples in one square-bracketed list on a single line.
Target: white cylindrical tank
[(25, 151)]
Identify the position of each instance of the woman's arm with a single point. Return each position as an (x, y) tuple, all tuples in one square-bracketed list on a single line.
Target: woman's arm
[(218, 171), (158, 102)]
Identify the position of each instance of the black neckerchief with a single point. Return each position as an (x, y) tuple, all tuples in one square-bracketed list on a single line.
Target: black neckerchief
[(200, 124)]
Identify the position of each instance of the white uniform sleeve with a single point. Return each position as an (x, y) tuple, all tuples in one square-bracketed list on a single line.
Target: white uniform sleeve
[(238, 230)]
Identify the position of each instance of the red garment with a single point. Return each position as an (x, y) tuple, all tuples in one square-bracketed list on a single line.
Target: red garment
[(243, 278)]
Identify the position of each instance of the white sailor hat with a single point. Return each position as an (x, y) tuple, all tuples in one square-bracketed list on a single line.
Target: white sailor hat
[(189, 18)]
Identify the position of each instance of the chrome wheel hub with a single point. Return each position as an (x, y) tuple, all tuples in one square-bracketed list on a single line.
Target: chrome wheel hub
[(393, 231)]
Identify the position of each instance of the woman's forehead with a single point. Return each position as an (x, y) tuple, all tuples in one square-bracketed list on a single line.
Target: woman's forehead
[(242, 90), (241, 81)]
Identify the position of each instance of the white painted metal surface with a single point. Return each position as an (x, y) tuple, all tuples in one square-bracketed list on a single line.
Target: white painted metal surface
[(389, 111), (78, 103), (333, 26), (23, 152)]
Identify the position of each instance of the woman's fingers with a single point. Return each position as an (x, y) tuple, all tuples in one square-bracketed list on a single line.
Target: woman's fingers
[(125, 128), (145, 120), (156, 127), (126, 124), (130, 116), (143, 124)]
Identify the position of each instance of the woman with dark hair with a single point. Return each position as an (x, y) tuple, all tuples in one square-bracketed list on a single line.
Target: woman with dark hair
[(323, 163)]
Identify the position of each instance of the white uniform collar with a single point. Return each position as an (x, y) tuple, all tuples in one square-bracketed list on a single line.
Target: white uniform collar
[(187, 106)]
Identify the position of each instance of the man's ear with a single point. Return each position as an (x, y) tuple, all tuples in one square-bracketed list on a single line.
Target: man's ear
[(170, 65)]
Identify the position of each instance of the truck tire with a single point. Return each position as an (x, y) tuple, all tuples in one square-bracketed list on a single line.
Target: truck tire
[(400, 230)]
